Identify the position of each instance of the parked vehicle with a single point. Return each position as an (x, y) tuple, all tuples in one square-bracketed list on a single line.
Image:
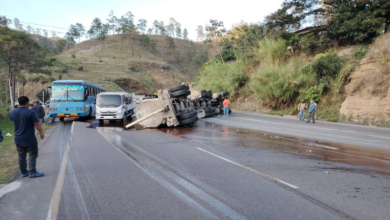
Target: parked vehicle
[(115, 106), (73, 98)]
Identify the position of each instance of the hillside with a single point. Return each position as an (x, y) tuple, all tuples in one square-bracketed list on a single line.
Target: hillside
[(368, 91), (140, 66)]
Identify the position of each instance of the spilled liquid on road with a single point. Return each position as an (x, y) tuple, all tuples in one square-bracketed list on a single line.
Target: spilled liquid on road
[(374, 160), (370, 160)]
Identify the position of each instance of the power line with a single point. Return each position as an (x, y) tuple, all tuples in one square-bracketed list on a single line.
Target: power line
[(43, 25)]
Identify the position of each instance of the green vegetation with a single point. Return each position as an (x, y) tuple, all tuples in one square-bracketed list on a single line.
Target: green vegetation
[(8, 154)]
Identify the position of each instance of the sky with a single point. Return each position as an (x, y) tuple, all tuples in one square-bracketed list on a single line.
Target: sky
[(62, 13)]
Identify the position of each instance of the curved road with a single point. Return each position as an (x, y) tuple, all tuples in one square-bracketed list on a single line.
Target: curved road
[(247, 166)]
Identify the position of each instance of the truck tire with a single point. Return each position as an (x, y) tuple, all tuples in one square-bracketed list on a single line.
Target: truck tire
[(187, 116), (180, 93), (61, 119), (178, 88), (189, 121)]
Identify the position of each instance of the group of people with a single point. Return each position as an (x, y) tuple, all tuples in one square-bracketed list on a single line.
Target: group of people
[(302, 106), (28, 122)]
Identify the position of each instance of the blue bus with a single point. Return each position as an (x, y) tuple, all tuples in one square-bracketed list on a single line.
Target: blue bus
[(73, 98)]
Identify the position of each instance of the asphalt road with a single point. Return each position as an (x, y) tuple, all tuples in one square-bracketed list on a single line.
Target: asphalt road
[(246, 166)]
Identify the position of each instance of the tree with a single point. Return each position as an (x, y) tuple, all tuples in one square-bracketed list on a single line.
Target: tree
[(45, 33), (16, 23), (95, 28), (200, 33), (156, 26), (292, 15), (178, 32), (29, 29), (141, 26), (104, 32), (150, 31), (171, 28), (37, 31), (111, 21), (357, 21), (53, 34), (185, 34), (3, 21), (60, 45), (69, 39), (162, 29), (80, 30), (18, 52), (216, 30), (125, 23)]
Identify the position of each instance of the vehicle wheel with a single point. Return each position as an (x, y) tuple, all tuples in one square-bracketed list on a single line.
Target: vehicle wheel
[(101, 121), (90, 113), (187, 116), (189, 121), (178, 88), (62, 119), (225, 93), (180, 93), (217, 110)]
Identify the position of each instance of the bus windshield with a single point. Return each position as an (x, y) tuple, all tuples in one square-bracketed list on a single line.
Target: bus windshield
[(108, 101), (67, 92)]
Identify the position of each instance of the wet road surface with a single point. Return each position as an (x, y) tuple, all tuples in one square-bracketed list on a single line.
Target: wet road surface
[(242, 167)]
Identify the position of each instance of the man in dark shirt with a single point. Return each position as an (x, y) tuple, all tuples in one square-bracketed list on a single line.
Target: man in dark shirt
[(26, 142), (40, 113)]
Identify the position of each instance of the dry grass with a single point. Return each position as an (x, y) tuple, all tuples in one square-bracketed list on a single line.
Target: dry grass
[(103, 65)]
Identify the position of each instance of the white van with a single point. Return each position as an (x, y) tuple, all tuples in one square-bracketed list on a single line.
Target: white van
[(115, 106)]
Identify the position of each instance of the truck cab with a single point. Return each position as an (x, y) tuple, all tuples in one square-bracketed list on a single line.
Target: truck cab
[(115, 106)]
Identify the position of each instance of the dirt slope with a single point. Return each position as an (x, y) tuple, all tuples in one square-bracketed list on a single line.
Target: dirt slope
[(368, 91)]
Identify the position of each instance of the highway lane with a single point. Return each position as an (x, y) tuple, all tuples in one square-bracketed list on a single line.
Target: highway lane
[(220, 169), (321, 130)]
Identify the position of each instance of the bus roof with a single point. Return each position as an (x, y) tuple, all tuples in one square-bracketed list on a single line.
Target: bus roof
[(78, 82)]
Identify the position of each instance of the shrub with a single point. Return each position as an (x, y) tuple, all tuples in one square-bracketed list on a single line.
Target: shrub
[(280, 84), (60, 77), (73, 55), (326, 66), (216, 76), (80, 68), (271, 51)]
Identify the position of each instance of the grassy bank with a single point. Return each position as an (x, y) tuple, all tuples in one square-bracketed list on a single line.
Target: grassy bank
[(8, 155)]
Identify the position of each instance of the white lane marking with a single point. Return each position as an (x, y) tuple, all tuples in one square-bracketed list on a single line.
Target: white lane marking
[(374, 136), (250, 169), (9, 188), (324, 146), (161, 175), (52, 214)]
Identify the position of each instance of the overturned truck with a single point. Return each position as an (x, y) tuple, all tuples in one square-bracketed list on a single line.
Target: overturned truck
[(206, 103), (171, 108)]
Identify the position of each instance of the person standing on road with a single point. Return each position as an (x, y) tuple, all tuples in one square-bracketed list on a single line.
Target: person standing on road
[(26, 142), (312, 112), (226, 106), (40, 113), (301, 108)]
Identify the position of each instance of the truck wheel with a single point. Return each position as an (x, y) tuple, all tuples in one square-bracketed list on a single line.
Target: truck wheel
[(180, 93), (62, 119), (101, 121), (187, 116), (189, 121), (178, 88)]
